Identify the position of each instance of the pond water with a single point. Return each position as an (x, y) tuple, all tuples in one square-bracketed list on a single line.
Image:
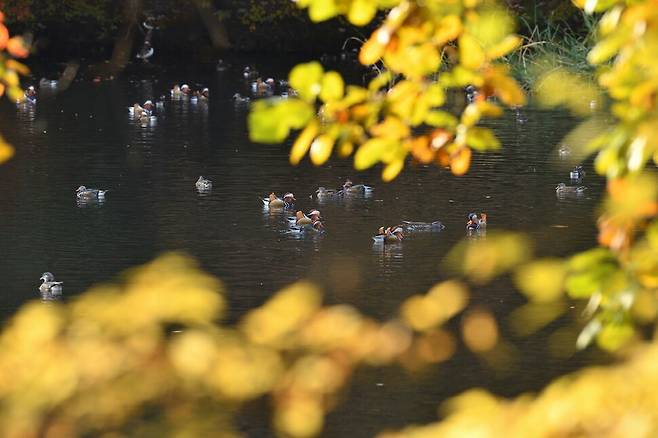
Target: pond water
[(85, 137)]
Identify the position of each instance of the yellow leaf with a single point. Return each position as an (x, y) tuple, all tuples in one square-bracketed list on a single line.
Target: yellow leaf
[(333, 87), (321, 10), (362, 12), (380, 81), (471, 54), (303, 142), (508, 90), (19, 67), (421, 313), (345, 149), (610, 20), (392, 170), (11, 78), (307, 80), (369, 153), (471, 115), (373, 49), (321, 149), (435, 95), (391, 127), (461, 161), (6, 151), (508, 44), (448, 29), (542, 280), (489, 109), (607, 48), (480, 331), (481, 139), (441, 119), (490, 25)]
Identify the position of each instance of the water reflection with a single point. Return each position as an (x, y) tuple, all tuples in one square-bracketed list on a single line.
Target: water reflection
[(89, 203)]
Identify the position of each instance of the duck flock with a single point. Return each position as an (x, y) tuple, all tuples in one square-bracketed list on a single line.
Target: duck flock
[(298, 221)]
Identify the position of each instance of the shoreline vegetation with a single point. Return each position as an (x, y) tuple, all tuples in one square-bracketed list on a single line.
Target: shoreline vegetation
[(553, 32)]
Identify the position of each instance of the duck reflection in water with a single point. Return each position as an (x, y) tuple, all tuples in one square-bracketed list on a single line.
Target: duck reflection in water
[(434, 226)]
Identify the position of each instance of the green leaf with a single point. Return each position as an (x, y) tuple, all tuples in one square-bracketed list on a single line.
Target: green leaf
[(333, 87), (270, 121), (614, 335), (482, 139), (307, 80), (590, 258), (585, 284)]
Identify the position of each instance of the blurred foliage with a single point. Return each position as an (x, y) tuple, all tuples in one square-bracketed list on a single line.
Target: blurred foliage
[(10, 71), (169, 366), (422, 50), (617, 401), (619, 278)]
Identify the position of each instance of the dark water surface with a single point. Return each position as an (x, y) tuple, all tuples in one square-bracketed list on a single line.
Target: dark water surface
[(84, 137)]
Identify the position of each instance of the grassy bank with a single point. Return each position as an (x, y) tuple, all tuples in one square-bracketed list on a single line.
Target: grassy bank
[(552, 45)]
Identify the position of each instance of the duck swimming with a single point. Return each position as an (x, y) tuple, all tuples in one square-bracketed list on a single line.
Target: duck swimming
[(302, 219), (85, 194), (475, 223), (239, 99), (349, 188), (577, 173), (203, 185), (323, 193), (263, 88), (249, 73), (49, 285), (180, 91), (564, 151), (394, 234), (30, 94), (142, 113), (564, 190), (289, 200), (275, 202)]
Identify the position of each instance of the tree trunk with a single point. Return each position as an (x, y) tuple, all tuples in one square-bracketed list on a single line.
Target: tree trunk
[(132, 9), (213, 23)]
